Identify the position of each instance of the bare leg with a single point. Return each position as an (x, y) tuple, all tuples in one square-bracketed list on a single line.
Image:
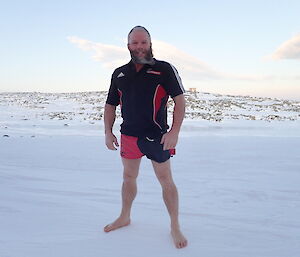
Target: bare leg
[(129, 190), (170, 196)]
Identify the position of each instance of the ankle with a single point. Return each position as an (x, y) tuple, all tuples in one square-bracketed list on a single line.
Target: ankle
[(124, 216), (175, 226)]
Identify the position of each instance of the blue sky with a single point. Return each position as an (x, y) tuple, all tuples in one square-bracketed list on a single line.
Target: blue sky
[(227, 47)]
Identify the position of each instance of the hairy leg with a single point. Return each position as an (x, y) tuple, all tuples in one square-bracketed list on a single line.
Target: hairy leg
[(129, 190), (170, 196)]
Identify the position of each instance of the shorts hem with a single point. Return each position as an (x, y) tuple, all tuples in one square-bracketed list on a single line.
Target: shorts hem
[(131, 158)]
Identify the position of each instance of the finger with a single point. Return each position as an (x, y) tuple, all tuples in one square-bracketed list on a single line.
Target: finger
[(163, 139), (116, 142), (110, 146), (169, 146), (166, 146), (114, 146)]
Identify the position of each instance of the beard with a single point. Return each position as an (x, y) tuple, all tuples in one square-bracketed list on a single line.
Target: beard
[(148, 59)]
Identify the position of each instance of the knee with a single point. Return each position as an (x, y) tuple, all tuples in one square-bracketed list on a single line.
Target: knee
[(166, 181), (129, 176), (168, 187)]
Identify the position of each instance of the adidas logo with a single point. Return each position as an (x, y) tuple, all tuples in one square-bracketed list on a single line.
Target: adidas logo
[(120, 75)]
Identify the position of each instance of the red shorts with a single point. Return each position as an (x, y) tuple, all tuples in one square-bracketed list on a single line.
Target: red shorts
[(135, 148)]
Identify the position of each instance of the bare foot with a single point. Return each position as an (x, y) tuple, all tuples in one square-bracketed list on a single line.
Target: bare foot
[(178, 238), (118, 223)]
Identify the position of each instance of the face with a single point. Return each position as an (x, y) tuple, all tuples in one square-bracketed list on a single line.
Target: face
[(139, 46)]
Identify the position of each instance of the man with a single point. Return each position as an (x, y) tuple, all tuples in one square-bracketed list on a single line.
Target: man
[(142, 88)]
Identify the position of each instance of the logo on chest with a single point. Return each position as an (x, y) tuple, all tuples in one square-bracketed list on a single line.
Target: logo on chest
[(150, 71)]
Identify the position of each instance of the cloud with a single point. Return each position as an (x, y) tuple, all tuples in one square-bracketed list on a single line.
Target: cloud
[(190, 67), (112, 56), (288, 50)]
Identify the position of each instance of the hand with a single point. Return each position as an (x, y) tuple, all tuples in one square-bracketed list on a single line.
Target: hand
[(169, 140), (111, 141)]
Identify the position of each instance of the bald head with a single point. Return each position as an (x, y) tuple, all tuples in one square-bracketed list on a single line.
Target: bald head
[(138, 29)]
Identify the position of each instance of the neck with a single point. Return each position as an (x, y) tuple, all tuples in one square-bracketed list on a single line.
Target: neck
[(138, 66)]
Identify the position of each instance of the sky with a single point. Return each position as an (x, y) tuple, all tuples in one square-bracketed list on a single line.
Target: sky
[(226, 47)]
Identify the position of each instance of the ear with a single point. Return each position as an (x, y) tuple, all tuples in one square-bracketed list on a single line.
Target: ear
[(128, 47)]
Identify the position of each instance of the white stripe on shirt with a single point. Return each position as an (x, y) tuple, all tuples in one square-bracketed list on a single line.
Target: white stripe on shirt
[(178, 78)]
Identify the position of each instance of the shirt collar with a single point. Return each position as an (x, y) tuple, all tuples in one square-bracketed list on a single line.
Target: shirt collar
[(132, 66)]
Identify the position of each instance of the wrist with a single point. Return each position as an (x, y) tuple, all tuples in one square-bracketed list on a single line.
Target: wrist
[(174, 131), (108, 132)]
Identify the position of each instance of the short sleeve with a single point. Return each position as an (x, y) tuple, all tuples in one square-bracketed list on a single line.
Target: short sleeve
[(173, 83), (113, 97)]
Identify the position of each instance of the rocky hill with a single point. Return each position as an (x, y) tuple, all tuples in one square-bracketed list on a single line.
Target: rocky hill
[(88, 106)]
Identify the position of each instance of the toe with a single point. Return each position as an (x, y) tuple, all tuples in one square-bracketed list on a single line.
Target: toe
[(107, 228)]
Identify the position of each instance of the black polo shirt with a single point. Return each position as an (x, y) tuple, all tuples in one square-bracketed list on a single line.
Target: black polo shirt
[(143, 96)]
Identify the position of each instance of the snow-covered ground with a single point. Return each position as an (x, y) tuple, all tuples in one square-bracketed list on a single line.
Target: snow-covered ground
[(238, 178)]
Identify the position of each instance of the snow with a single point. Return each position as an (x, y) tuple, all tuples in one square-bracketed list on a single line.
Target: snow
[(238, 183)]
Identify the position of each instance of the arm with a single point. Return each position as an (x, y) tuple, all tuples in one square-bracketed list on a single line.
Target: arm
[(170, 138), (109, 120)]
